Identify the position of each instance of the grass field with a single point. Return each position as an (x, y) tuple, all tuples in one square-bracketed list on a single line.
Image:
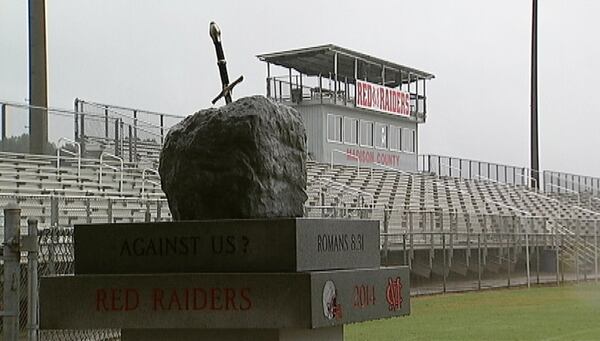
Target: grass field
[(570, 312)]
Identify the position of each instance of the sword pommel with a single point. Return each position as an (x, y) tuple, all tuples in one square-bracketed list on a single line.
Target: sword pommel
[(215, 32)]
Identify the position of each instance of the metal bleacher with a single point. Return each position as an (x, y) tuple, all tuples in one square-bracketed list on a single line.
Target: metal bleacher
[(124, 186), (80, 190)]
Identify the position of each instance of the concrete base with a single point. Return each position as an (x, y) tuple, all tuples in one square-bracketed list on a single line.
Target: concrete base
[(320, 334)]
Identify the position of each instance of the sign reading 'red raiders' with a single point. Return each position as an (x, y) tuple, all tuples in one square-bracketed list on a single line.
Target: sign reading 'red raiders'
[(224, 300), (381, 98)]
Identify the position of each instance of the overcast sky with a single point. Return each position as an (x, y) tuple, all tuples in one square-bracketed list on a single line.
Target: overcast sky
[(157, 55)]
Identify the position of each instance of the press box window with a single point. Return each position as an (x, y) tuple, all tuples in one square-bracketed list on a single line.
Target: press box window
[(350, 130), (381, 136), (396, 138), (406, 141), (366, 133), (334, 128)]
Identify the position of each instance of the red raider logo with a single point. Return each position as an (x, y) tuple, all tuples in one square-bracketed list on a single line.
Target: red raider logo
[(331, 308), (393, 293)]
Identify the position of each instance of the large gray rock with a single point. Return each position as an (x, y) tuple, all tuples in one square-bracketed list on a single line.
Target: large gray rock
[(244, 160)]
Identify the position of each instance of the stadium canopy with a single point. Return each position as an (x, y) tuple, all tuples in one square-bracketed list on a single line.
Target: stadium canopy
[(334, 60)]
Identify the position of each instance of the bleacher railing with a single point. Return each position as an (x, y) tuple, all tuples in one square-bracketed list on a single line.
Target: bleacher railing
[(118, 170), (95, 131), (145, 178), (61, 148), (472, 169), (145, 124), (560, 181)]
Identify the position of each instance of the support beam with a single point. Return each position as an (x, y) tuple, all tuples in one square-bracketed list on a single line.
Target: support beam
[(38, 90)]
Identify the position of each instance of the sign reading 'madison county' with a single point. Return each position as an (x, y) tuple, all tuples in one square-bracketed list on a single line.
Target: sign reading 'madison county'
[(382, 98)]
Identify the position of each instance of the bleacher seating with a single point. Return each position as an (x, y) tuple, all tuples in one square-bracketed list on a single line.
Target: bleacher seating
[(37, 178), (91, 193)]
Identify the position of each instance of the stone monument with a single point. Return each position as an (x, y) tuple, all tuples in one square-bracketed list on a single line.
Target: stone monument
[(239, 262)]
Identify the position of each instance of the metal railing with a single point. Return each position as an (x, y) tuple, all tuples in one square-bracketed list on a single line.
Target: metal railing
[(329, 88), (119, 169), (469, 169), (579, 183), (76, 154), (347, 155), (145, 179)]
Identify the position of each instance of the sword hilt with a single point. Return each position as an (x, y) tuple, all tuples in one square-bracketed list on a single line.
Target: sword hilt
[(226, 92)]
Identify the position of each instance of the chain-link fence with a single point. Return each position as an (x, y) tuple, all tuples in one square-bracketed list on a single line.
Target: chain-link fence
[(445, 251), (56, 257)]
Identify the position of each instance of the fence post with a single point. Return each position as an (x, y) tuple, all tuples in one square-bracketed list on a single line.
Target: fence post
[(147, 215), (444, 262), (386, 229), (106, 127), (537, 258), (32, 281), (562, 270), (596, 251), (12, 271), (508, 260), (109, 210), (117, 137), (88, 211), (162, 126), (555, 242), (577, 246), (130, 143), (405, 258), (479, 261), (158, 210), (527, 260), (3, 118), (121, 137), (54, 213)]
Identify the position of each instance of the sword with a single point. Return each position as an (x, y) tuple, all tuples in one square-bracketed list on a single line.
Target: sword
[(215, 34)]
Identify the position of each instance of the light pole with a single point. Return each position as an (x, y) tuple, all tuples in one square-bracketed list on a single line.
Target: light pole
[(535, 161), (38, 90)]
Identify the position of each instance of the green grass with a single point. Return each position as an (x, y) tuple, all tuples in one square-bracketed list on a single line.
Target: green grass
[(571, 312)]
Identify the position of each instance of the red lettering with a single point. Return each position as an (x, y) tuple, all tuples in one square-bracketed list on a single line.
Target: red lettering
[(214, 298), (115, 299), (229, 299), (157, 295), (132, 299), (174, 300), (187, 298), (199, 292), (245, 294), (101, 300)]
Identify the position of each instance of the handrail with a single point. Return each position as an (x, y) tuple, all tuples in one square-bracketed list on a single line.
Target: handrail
[(148, 170), (349, 188), (564, 189), (579, 184), (112, 167), (391, 168), (126, 108), (472, 160), (347, 155), (452, 167), (77, 154)]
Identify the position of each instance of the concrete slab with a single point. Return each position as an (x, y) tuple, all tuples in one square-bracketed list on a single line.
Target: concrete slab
[(249, 245), (224, 300)]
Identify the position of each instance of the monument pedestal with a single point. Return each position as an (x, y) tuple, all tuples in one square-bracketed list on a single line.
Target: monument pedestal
[(258, 279), (335, 333)]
